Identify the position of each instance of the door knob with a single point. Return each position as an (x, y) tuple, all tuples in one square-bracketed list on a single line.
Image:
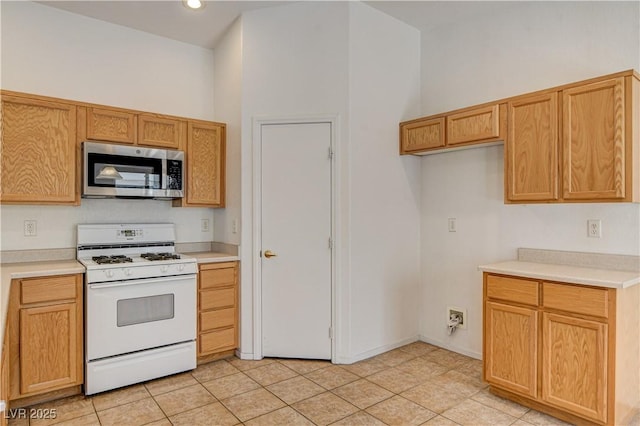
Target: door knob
[(268, 254)]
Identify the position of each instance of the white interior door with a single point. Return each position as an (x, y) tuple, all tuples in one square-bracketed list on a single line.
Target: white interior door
[(296, 227)]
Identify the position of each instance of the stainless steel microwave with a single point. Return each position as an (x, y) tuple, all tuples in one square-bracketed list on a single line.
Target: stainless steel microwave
[(131, 171)]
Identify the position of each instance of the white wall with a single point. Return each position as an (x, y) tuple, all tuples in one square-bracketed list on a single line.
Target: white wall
[(50, 52), (294, 62), (347, 60), (529, 46), (228, 107), (384, 86)]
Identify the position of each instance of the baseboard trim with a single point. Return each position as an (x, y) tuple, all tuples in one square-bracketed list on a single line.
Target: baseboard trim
[(439, 343), (373, 352)]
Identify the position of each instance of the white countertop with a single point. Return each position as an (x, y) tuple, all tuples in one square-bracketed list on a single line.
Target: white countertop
[(212, 257), (565, 273)]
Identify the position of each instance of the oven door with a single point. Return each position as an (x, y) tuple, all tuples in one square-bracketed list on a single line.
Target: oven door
[(129, 316)]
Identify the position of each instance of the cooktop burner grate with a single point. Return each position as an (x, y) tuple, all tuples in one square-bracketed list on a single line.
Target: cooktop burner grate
[(160, 256), (111, 259)]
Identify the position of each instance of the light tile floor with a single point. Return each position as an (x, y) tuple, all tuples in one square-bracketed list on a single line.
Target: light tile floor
[(417, 384)]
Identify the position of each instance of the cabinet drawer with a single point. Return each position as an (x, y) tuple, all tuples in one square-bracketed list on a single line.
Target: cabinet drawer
[(511, 289), (216, 341), (213, 278), (222, 298), (217, 319), (576, 299), (48, 289)]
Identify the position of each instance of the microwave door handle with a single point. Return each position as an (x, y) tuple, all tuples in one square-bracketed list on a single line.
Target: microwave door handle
[(138, 282)]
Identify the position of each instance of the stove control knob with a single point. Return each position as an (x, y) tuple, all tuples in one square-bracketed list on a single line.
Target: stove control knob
[(180, 268), (127, 272), (109, 273), (164, 268)]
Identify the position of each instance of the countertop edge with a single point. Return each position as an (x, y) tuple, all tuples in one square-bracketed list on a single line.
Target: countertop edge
[(212, 257), (565, 273)]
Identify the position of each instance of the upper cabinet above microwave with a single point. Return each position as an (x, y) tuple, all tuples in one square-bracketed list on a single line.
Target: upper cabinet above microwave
[(115, 125), (41, 148), (579, 142)]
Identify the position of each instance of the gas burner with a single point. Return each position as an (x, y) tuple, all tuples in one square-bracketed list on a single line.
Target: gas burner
[(111, 259), (160, 256)]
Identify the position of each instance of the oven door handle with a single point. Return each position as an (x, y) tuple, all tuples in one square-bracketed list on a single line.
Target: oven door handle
[(140, 281)]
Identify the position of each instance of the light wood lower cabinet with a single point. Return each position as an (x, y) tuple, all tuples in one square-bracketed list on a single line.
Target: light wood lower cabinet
[(217, 309), (574, 365), (46, 341), (511, 347), (4, 377), (569, 350)]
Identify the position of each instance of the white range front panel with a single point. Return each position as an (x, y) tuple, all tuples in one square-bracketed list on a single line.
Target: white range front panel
[(128, 316)]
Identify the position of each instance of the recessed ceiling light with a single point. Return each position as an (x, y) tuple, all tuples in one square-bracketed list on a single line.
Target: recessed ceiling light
[(193, 4)]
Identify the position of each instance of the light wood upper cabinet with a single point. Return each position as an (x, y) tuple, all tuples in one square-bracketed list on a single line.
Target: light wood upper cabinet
[(531, 152), (205, 156), (422, 135), (463, 127), (579, 142), (111, 125), (478, 124), (160, 131), (46, 335), (594, 141), (38, 151)]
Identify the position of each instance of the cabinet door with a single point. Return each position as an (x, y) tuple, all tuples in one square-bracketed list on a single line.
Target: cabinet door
[(574, 365), (49, 350), (510, 351), (478, 124), (110, 125), (38, 151), (159, 131), (422, 135), (205, 164), (531, 151), (594, 160)]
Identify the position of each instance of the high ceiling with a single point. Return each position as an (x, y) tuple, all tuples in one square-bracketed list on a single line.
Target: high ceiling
[(169, 18)]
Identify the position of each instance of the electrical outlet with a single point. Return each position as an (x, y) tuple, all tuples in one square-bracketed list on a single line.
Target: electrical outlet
[(204, 225), (452, 224), (234, 226), (452, 311), (30, 228), (594, 228)]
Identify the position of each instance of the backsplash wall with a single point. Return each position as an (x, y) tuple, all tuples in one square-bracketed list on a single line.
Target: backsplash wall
[(56, 225)]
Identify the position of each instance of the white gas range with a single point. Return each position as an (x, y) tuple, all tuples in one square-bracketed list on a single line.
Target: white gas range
[(140, 304)]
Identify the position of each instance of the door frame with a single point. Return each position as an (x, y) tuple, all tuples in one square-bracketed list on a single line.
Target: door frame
[(258, 122)]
